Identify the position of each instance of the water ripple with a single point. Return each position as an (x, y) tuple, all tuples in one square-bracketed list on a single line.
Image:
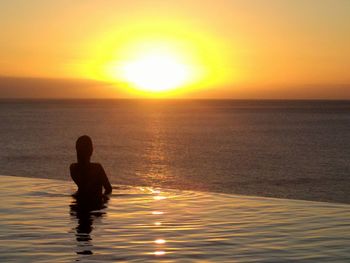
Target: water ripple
[(38, 223)]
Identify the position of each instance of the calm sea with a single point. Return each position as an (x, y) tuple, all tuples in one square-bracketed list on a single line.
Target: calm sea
[(287, 149)]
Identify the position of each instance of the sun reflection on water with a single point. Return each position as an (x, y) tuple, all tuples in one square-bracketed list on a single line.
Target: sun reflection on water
[(159, 241), (158, 197), (155, 169), (154, 191), (159, 253), (157, 213)]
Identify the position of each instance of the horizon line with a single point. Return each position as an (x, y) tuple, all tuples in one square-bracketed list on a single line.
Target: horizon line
[(160, 99)]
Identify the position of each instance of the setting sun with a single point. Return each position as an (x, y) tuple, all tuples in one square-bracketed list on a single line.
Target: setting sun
[(157, 58), (154, 67), (156, 72)]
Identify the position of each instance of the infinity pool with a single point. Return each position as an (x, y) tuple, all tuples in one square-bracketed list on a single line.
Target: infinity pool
[(38, 224)]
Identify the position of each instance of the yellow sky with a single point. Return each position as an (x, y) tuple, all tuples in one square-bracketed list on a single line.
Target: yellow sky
[(235, 49)]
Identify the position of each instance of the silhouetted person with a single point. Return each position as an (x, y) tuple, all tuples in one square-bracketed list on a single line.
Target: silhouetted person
[(89, 177)]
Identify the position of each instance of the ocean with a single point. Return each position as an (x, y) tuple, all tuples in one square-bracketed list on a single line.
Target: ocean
[(284, 149)]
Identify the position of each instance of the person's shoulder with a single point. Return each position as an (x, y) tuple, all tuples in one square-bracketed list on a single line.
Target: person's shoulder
[(96, 165), (73, 166), (73, 169)]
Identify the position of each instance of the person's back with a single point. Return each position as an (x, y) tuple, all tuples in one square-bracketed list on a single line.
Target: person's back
[(89, 177)]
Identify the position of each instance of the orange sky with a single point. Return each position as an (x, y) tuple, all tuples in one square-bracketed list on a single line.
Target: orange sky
[(243, 49)]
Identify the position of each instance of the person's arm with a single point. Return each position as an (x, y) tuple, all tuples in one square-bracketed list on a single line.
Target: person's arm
[(106, 184), (73, 174)]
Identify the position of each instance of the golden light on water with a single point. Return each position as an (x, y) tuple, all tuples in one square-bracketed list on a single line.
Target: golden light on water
[(154, 191), (159, 197), (159, 253), (157, 213), (159, 241)]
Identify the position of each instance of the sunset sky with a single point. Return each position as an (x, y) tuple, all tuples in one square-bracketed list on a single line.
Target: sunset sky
[(186, 49)]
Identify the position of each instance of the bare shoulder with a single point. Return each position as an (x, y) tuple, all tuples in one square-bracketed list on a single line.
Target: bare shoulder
[(73, 166), (96, 166)]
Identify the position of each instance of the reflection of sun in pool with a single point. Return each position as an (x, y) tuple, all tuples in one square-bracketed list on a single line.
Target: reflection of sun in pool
[(157, 213), (159, 197), (156, 71), (159, 241), (159, 253)]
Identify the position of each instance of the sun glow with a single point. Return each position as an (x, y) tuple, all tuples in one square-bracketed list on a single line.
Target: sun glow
[(156, 72), (156, 58), (155, 67)]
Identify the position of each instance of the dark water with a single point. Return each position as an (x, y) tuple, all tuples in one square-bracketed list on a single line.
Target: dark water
[(289, 149)]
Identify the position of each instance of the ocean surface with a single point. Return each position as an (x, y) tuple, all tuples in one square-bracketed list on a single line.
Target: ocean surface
[(40, 222), (286, 149)]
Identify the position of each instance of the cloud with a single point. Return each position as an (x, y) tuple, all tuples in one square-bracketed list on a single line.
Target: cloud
[(20, 87)]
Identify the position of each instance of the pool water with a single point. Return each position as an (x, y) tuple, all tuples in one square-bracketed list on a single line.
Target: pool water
[(38, 223)]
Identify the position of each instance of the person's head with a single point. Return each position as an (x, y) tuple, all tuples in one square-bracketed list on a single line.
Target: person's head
[(84, 149)]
